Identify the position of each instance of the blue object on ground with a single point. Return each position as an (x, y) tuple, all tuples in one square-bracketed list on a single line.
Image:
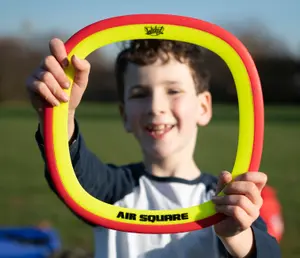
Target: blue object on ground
[(28, 242)]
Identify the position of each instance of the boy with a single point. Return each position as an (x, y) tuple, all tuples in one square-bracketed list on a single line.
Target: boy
[(164, 97)]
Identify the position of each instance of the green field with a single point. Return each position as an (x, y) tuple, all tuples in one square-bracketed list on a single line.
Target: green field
[(26, 199)]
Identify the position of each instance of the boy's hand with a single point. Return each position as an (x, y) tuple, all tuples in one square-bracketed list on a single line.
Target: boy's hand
[(241, 203), (46, 84)]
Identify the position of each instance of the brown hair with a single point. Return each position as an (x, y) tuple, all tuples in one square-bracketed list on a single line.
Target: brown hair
[(147, 51)]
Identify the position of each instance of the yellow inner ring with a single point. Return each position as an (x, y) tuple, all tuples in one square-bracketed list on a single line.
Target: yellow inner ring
[(171, 32)]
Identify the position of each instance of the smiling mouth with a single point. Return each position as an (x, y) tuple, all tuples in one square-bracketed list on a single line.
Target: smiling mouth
[(158, 131)]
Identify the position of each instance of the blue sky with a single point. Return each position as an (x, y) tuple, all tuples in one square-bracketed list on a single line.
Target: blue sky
[(282, 18)]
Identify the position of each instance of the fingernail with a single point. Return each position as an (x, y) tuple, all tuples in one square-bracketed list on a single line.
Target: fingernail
[(65, 97), (56, 103), (67, 85), (226, 174), (77, 59), (222, 175), (65, 63)]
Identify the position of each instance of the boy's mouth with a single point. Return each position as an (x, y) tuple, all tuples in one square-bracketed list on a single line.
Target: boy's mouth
[(159, 130)]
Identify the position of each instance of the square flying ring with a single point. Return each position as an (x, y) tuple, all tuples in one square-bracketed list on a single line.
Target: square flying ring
[(159, 26)]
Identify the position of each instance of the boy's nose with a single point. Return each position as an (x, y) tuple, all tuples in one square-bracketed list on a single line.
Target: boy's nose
[(157, 105)]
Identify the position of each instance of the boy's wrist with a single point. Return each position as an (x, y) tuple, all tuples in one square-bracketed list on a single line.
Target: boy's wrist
[(240, 245), (71, 113), (71, 125)]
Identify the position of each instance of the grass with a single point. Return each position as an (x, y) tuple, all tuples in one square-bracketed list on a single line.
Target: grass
[(26, 199)]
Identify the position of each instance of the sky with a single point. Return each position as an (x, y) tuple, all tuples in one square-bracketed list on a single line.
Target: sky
[(282, 18)]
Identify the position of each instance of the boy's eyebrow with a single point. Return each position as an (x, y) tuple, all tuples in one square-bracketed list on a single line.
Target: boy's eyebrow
[(169, 82), (138, 86), (145, 86)]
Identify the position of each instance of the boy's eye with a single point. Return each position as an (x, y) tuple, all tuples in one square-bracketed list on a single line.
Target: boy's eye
[(138, 94), (174, 91)]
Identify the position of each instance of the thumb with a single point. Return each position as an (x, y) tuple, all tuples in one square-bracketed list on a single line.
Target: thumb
[(82, 70), (224, 178)]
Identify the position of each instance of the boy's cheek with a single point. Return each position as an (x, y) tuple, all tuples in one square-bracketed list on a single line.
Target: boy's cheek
[(186, 105), (187, 113), (182, 110)]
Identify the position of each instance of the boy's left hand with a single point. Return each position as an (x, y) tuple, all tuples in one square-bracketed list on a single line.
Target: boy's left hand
[(241, 203)]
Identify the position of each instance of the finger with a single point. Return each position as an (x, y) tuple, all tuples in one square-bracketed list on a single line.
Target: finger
[(248, 189), (48, 79), (82, 71), (41, 90), (224, 178), (237, 213), (238, 200), (258, 178), (58, 50), (52, 65)]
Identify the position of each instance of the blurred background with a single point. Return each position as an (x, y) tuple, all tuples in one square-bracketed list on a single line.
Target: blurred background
[(270, 31)]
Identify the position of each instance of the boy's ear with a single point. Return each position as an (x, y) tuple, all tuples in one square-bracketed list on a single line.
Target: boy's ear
[(124, 118), (205, 108)]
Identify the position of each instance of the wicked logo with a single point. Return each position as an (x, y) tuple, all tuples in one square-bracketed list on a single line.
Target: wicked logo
[(154, 30)]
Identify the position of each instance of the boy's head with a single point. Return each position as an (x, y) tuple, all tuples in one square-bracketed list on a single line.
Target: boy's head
[(163, 90)]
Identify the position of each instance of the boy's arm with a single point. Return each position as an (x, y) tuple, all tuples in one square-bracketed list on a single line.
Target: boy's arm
[(107, 183), (264, 245)]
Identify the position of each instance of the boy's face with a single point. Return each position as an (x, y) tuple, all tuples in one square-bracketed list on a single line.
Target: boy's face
[(162, 109)]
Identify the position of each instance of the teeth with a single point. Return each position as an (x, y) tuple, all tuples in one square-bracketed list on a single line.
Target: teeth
[(158, 127)]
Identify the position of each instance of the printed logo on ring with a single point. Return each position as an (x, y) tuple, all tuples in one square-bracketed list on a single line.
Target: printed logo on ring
[(162, 26), (154, 30)]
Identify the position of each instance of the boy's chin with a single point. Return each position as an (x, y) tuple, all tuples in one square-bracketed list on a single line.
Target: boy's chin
[(158, 153)]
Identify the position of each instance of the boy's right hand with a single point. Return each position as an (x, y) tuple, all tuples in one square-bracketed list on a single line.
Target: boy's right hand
[(46, 84)]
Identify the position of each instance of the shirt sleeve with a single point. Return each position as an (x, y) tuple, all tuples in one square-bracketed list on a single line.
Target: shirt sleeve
[(106, 182), (266, 246)]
